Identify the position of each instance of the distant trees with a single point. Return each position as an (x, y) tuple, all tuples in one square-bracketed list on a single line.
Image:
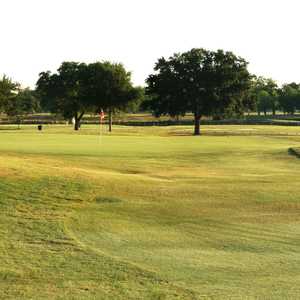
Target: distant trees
[(265, 102), (265, 95), (269, 97), (24, 103), (8, 91), (289, 98), (201, 81), (137, 104), (79, 88), (16, 102)]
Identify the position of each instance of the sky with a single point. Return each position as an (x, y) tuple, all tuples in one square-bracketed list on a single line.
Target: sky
[(37, 35)]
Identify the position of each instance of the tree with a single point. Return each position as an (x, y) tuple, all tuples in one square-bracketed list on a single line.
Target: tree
[(289, 98), (265, 102), (77, 88), (108, 86), (8, 91), (266, 94), (64, 92), (251, 97), (201, 81), (136, 105), (25, 102)]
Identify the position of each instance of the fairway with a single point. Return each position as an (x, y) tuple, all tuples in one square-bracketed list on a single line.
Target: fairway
[(150, 213)]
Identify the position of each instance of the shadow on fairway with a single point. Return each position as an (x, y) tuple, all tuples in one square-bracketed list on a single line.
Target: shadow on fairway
[(294, 152), (107, 200), (10, 129)]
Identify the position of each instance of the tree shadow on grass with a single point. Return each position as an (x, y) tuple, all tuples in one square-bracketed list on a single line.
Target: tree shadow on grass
[(10, 128), (294, 152), (107, 200)]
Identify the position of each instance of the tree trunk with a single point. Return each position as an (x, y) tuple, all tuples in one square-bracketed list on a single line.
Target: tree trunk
[(77, 120), (76, 125), (197, 123), (265, 112), (110, 121)]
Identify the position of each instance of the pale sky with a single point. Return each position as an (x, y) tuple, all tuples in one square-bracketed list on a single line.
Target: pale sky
[(37, 35)]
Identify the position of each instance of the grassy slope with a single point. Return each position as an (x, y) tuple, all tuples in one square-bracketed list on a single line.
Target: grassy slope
[(149, 214)]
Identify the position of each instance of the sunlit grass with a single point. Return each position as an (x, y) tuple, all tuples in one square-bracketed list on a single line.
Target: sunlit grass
[(149, 213)]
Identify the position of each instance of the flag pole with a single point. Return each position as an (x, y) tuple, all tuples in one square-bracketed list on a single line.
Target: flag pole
[(101, 117)]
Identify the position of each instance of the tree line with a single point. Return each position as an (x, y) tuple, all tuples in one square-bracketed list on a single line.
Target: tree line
[(203, 82), (78, 88), (269, 97), (16, 102)]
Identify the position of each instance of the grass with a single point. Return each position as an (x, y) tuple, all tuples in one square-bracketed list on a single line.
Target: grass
[(149, 213)]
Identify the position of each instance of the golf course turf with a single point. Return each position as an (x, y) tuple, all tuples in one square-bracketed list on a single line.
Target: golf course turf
[(150, 213)]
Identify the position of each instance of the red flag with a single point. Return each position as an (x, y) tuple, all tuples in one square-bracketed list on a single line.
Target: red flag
[(101, 115)]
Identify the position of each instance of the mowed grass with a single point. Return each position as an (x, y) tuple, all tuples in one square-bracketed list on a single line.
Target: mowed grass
[(150, 213)]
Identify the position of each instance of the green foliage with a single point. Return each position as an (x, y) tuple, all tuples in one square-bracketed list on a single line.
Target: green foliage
[(8, 91), (79, 88), (25, 102), (201, 81), (136, 105), (64, 92), (109, 85), (289, 98), (16, 102), (264, 95), (265, 101)]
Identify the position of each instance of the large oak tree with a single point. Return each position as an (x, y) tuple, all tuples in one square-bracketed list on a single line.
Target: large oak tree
[(199, 81), (77, 88), (64, 92), (109, 87)]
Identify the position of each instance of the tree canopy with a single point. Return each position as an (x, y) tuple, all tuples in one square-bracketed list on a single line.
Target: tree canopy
[(200, 81), (77, 88), (265, 95), (108, 86), (64, 91), (23, 103), (8, 90), (289, 97)]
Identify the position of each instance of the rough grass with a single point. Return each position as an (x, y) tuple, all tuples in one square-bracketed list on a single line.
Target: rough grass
[(150, 213)]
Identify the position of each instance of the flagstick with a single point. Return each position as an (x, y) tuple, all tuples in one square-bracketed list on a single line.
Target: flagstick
[(100, 136), (101, 117)]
